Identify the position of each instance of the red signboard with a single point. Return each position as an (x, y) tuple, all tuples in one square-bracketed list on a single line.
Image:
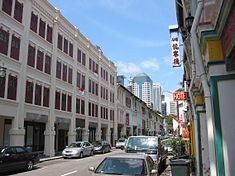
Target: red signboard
[(178, 96)]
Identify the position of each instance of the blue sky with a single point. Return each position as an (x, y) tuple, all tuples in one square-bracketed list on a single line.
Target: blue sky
[(132, 33)]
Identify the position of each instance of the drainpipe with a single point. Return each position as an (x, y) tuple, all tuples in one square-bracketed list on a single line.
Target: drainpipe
[(205, 85)]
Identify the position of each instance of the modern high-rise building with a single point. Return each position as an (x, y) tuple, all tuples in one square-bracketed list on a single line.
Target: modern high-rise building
[(141, 86), (157, 100)]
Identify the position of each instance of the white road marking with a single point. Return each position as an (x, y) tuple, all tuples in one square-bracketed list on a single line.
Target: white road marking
[(69, 173)]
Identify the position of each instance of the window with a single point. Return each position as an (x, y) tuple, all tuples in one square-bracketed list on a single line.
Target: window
[(46, 95), (4, 38), (83, 82), (57, 100), (38, 94), (79, 57), (29, 92), (2, 86), (34, 22), (58, 70), (63, 102), (15, 47), (70, 75), (12, 87), (7, 6), (49, 34), (18, 11), (31, 56), (40, 60), (84, 59), (64, 72), (59, 43), (78, 80), (42, 28), (70, 49), (89, 109), (83, 107), (69, 104), (78, 105), (47, 68), (66, 46)]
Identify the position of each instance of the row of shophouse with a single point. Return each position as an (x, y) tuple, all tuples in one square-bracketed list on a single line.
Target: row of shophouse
[(207, 28), (56, 87)]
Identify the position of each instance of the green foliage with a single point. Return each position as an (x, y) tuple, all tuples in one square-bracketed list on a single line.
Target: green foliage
[(169, 120)]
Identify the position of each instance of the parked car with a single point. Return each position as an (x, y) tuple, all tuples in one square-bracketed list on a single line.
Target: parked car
[(149, 145), (17, 157), (101, 146), (126, 164), (78, 149), (121, 143)]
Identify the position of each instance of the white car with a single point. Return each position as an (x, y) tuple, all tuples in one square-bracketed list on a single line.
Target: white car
[(121, 143), (78, 149)]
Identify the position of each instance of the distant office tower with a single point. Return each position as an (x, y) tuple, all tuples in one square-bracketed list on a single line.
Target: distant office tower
[(157, 100), (173, 107), (120, 79), (164, 112), (129, 86), (142, 87)]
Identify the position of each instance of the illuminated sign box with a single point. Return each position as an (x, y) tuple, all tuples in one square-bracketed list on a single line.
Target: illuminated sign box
[(179, 96)]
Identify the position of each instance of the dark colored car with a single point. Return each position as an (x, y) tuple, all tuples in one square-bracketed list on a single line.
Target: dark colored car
[(101, 146), (17, 157), (126, 164)]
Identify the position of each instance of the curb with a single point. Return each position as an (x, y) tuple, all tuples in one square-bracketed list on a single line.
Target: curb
[(50, 158)]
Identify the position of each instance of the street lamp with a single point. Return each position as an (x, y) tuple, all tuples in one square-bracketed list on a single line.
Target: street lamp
[(3, 70), (189, 22)]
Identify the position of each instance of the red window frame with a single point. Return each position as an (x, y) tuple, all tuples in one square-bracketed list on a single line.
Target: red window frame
[(47, 66), (58, 70), (57, 100), (2, 86), (63, 108), (34, 22), (7, 6), (66, 46), (12, 87), (64, 76), (4, 40), (38, 95), (15, 47), (59, 42), (29, 92), (49, 33), (40, 56), (46, 96), (18, 12), (31, 56), (70, 76), (42, 28), (70, 49), (69, 103)]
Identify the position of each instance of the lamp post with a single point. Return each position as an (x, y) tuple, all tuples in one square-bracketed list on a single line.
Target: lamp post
[(189, 22), (3, 70)]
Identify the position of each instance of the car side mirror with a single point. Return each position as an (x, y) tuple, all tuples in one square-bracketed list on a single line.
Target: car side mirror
[(154, 171), (7, 154), (92, 169)]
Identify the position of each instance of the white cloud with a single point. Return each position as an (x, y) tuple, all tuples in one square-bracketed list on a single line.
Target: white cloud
[(151, 64), (128, 68)]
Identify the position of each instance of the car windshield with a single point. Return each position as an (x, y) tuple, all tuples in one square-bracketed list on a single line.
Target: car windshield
[(96, 143), (142, 143), (79, 144), (122, 166)]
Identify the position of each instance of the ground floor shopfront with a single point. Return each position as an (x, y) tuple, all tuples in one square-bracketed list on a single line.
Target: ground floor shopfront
[(38, 135)]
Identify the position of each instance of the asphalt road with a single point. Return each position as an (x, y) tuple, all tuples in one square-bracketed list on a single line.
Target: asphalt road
[(66, 167)]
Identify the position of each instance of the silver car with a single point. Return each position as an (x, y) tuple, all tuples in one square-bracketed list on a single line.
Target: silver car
[(126, 164), (78, 149)]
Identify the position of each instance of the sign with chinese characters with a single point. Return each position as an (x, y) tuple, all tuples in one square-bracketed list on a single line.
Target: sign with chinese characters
[(175, 51), (178, 96)]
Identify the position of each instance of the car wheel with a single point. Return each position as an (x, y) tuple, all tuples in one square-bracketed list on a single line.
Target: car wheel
[(92, 153), (29, 165), (81, 155)]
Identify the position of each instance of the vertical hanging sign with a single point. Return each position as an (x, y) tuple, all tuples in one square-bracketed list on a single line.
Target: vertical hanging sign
[(175, 45)]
